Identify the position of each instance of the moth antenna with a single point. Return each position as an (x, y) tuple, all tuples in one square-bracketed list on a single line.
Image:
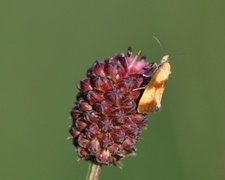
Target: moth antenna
[(159, 45), (163, 49), (177, 54)]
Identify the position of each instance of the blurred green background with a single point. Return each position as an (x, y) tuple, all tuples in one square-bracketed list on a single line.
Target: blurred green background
[(46, 47)]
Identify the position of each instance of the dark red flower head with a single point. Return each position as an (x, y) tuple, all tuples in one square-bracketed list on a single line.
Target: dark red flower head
[(105, 123)]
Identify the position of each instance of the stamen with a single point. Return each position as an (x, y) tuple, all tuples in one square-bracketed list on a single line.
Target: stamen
[(135, 59)]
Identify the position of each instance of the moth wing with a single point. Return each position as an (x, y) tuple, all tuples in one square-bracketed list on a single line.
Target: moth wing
[(149, 103)]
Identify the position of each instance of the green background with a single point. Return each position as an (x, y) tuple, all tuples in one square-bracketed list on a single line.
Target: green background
[(46, 47)]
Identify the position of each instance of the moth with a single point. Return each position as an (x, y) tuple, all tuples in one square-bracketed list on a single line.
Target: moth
[(150, 101)]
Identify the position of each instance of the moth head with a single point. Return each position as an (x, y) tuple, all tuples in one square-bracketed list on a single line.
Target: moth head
[(165, 59)]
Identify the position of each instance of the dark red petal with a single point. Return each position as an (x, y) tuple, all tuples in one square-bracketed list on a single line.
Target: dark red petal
[(105, 124), (119, 116), (130, 128), (129, 143), (118, 135), (73, 131), (80, 124), (127, 85), (116, 149), (135, 94), (123, 62), (85, 85), (128, 105), (119, 59), (92, 131), (98, 68), (75, 113), (94, 96), (139, 119), (115, 71), (106, 140), (102, 83), (83, 105), (91, 116), (83, 141), (104, 157), (94, 147), (82, 152), (104, 107), (114, 96)]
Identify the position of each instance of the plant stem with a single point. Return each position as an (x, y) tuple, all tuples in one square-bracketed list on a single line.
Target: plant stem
[(94, 171)]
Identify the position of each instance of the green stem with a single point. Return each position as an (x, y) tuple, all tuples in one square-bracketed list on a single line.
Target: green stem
[(94, 171)]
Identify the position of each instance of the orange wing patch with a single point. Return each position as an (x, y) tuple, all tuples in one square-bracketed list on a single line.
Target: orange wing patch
[(150, 101)]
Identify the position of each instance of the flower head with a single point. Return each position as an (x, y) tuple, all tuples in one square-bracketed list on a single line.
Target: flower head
[(105, 123)]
